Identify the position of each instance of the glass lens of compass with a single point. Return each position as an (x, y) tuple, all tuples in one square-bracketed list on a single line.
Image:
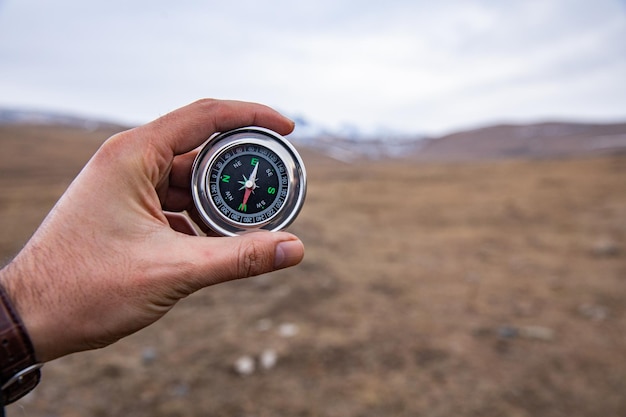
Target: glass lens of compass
[(248, 183)]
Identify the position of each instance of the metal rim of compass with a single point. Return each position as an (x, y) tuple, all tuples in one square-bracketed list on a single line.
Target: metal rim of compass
[(216, 146)]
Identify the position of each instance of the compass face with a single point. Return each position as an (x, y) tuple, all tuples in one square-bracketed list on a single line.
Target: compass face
[(248, 179), (248, 183)]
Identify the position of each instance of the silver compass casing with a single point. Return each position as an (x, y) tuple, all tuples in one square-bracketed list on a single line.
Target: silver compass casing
[(221, 143)]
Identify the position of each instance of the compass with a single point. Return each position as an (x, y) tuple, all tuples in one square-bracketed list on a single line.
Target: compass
[(248, 179)]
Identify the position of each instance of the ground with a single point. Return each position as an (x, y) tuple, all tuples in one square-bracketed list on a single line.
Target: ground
[(439, 289)]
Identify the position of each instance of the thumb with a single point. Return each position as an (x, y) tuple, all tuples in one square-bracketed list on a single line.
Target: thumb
[(227, 258)]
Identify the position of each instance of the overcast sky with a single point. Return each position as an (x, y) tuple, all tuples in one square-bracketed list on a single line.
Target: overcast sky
[(413, 66)]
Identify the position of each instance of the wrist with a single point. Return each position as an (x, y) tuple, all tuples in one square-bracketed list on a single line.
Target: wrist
[(19, 368), (19, 292)]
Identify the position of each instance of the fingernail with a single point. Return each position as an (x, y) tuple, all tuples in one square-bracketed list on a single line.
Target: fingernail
[(288, 253)]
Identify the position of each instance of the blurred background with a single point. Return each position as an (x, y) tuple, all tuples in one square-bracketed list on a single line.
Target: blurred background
[(465, 223)]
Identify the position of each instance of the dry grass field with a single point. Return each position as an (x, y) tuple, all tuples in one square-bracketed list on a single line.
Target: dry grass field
[(493, 288)]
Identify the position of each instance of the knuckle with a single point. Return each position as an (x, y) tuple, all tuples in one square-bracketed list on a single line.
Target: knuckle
[(206, 102), (113, 147), (208, 105)]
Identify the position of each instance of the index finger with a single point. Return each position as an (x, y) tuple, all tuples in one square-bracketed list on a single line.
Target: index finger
[(188, 127)]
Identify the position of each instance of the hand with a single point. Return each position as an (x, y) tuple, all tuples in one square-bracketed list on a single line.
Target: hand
[(106, 262)]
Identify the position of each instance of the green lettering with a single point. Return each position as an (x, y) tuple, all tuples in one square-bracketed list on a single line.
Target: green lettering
[(225, 178)]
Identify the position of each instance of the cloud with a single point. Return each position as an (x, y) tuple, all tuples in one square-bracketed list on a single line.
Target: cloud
[(411, 65)]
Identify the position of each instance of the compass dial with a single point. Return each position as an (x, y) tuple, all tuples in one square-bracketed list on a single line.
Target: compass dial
[(248, 179), (248, 183)]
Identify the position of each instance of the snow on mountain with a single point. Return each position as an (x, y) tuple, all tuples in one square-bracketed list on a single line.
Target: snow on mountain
[(349, 143)]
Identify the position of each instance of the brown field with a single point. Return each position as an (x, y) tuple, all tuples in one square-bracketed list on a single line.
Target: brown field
[(493, 288)]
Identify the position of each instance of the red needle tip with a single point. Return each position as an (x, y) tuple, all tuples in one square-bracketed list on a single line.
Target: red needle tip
[(246, 195)]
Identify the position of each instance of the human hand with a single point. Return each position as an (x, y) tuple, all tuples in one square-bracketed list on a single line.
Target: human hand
[(106, 262)]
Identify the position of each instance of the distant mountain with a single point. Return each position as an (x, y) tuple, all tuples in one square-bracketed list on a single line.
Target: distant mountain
[(537, 140), (349, 144), (541, 140)]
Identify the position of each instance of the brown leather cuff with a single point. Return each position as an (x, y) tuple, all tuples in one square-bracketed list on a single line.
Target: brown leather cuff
[(19, 370)]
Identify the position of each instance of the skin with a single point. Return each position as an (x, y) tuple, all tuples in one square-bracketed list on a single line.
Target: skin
[(109, 260)]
